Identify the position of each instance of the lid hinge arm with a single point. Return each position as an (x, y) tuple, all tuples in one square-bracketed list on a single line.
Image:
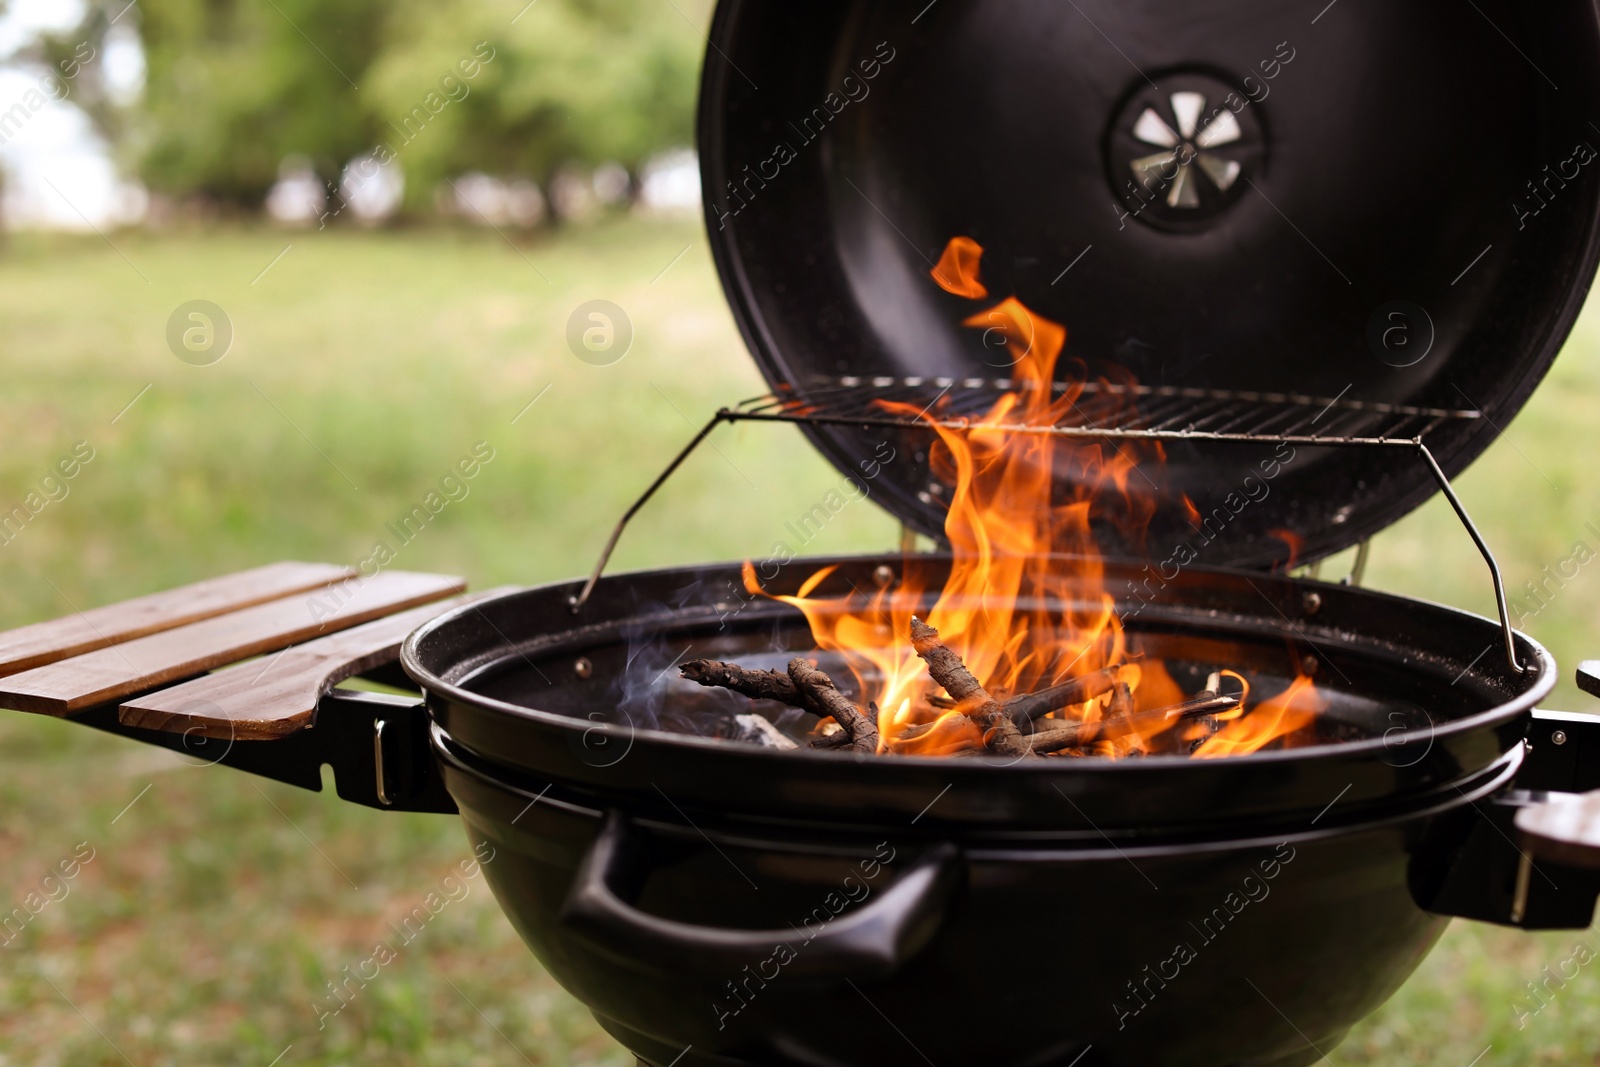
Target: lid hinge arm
[(1507, 631), (576, 603), (1358, 569)]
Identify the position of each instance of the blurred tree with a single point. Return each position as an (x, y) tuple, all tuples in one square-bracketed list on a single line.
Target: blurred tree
[(570, 81), (232, 87), (73, 68)]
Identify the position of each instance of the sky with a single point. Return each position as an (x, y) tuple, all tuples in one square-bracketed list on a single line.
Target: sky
[(58, 173)]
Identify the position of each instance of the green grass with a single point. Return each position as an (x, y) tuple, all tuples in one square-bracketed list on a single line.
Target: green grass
[(363, 365)]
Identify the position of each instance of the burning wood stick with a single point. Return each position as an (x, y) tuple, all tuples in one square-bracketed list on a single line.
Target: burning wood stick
[(810, 694), (1080, 734), (1026, 707), (1075, 735), (807, 687), (758, 685), (815, 687), (1204, 704), (1000, 734), (1121, 705)]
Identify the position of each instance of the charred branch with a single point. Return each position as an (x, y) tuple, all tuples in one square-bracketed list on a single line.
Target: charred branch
[(1204, 704), (817, 689), (808, 687), (1121, 705), (1000, 734), (1026, 707), (758, 685), (1114, 725), (1029, 706)]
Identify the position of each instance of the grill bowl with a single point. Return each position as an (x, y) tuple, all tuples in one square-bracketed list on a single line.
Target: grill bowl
[(1050, 898), (1390, 651)]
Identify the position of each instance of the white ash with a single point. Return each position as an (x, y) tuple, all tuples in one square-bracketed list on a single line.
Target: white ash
[(760, 731)]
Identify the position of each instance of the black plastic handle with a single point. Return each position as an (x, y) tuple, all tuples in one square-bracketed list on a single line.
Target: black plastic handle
[(869, 942), (1562, 824), (1562, 828)]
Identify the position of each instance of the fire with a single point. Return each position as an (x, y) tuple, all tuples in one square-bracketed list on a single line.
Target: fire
[(957, 271), (1025, 604), (1289, 711)]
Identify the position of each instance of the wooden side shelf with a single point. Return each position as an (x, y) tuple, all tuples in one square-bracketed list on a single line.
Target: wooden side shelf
[(271, 698), (47, 642), (172, 660)]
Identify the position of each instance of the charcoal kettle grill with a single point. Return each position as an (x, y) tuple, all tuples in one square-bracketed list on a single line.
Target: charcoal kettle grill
[(1245, 209)]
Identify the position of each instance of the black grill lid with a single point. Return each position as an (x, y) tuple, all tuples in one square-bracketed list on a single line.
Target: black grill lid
[(1400, 208)]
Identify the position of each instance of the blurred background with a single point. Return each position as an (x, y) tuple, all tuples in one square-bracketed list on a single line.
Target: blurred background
[(391, 212)]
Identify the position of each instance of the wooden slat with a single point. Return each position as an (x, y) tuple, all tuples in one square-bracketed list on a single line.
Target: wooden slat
[(268, 699), (49, 642), (148, 662)]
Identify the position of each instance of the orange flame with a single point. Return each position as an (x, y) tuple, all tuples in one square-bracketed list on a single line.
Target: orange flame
[(957, 271), (1292, 541), (1292, 710), (1025, 602)]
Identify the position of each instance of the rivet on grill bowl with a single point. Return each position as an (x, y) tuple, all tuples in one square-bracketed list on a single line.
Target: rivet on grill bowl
[(1308, 663), (1558, 737), (1312, 602), (883, 575), (583, 668)]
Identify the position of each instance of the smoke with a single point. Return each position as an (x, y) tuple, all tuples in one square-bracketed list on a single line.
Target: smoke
[(650, 693)]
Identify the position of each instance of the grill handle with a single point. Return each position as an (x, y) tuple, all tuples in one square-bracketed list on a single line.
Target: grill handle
[(1557, 832), (1562, 829), (869, 942)]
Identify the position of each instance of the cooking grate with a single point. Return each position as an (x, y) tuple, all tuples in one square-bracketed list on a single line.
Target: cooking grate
[(1105, 409), (1102, 410)]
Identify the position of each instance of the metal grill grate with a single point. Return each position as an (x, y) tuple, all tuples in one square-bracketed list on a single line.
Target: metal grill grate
[(1106, 410), (1103, 410)]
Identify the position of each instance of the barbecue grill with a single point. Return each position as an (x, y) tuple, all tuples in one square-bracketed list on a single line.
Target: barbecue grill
[(1302, 275)]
